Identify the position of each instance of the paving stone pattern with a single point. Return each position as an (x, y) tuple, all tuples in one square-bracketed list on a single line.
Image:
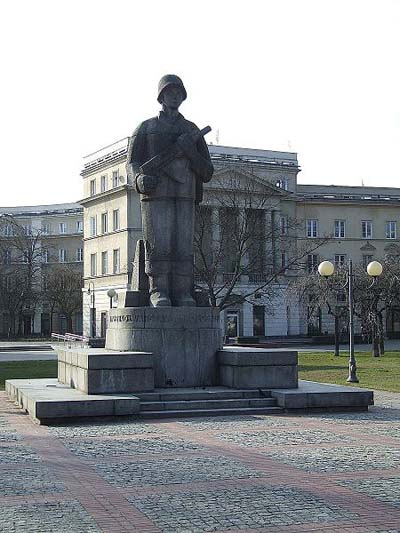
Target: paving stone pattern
[(103, 429), (262, 439), (214, 424), (12, 453), (387, 430), (176, 470), (108, 447), (383, 489), (343, 459), (333, 472), (37, 480), (6, 435), (238, 509), (51, 517)]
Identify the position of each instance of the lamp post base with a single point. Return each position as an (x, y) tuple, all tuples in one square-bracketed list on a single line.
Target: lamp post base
[(352, 373)]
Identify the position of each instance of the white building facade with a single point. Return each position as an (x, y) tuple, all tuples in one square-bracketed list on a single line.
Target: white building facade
[(362, 223)]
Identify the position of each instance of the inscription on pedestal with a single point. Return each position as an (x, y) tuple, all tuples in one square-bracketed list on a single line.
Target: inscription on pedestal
[(183, 340)]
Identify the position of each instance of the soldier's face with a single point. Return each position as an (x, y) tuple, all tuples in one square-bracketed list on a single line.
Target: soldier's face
[(172, 97)]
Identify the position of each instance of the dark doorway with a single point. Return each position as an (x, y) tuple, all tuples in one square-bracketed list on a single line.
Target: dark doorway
[(258, 320)]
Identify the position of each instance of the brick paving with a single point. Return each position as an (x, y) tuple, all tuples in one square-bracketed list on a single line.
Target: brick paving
[(286, 473)]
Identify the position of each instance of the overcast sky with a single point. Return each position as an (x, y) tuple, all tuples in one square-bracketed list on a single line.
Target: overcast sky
[(318, 77)]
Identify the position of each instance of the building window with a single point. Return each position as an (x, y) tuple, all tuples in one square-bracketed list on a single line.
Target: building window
[(115, 177), (25, 256), (93, 264), (63, 227), (283, 225), (340, 260), (366, 260), (116, 261), (7, 257), (312, 263), (103, 183), (283, 183), (28, 229), (93, 226), (8, 231), (79, 226), (92, 187), (340, 229), (391, 229), (45, 256), (46, 229), (104, 263), (366, 229), (104, 222), (312, 227), (284, 260), (79, 255), (116, 219), (62, 255)]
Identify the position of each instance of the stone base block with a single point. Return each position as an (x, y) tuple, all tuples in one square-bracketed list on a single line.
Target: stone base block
[(183, 340), (323, 396), (48, 401), (245, 368), (97, 371)]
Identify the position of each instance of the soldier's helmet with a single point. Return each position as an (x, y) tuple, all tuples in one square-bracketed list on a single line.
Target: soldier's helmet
[(170, 79)]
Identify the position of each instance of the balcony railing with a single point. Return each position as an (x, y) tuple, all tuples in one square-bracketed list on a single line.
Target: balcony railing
[(259, 277)]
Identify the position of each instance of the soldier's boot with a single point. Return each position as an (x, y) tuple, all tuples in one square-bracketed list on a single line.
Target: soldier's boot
[(159, 291), (182, 291)]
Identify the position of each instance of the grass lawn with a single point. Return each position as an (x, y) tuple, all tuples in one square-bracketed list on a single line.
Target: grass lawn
[(381, 373), (26, 369)]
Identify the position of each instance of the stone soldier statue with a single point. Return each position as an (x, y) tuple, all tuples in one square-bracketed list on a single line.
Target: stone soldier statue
[(168, 160)]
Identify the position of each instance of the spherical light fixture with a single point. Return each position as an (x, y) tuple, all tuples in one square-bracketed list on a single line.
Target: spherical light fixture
[(326, 269), (374, 269)]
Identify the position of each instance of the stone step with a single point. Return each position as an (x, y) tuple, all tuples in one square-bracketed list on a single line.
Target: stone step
[(163, 395), (212, 412), (207, 404)]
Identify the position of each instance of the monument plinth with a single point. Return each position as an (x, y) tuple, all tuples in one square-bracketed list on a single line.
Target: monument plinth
[(183, 340)]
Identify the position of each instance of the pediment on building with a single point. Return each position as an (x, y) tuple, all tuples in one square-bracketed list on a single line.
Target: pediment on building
[(392, 248), (229, 179), (368, 247)]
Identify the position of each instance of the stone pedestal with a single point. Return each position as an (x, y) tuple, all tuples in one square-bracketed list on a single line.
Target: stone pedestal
[(97, 371), (246, 368), (183, 340)]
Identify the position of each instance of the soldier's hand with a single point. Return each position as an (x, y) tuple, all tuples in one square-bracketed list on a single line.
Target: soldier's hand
[(146, 184), (186, 143)]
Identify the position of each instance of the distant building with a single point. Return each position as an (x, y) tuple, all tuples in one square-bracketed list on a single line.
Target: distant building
[(60, 230), (361, 221)]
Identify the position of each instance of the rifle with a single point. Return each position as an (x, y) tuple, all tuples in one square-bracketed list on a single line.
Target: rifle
[(166, 156)]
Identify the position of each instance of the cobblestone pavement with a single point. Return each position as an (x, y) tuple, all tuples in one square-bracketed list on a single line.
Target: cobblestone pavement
[(319, 472)]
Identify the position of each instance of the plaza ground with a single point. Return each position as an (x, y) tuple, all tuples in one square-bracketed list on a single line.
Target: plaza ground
[(322, 472)]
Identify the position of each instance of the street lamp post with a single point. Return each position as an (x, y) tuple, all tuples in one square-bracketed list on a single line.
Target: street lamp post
[(112, 293), (374, 269), (91, 293)]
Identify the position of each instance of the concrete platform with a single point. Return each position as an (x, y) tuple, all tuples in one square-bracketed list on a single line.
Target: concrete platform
[(311, 395), (47, 401)]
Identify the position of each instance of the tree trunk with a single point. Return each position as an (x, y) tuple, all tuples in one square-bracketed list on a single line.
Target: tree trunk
[(337, 336), (381, 335), (375, 342)]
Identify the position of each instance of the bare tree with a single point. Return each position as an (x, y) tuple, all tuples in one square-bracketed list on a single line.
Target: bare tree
[(249, 240), (317, 293), (372, 298), (21, 254), (63, 291), (375, 298)]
